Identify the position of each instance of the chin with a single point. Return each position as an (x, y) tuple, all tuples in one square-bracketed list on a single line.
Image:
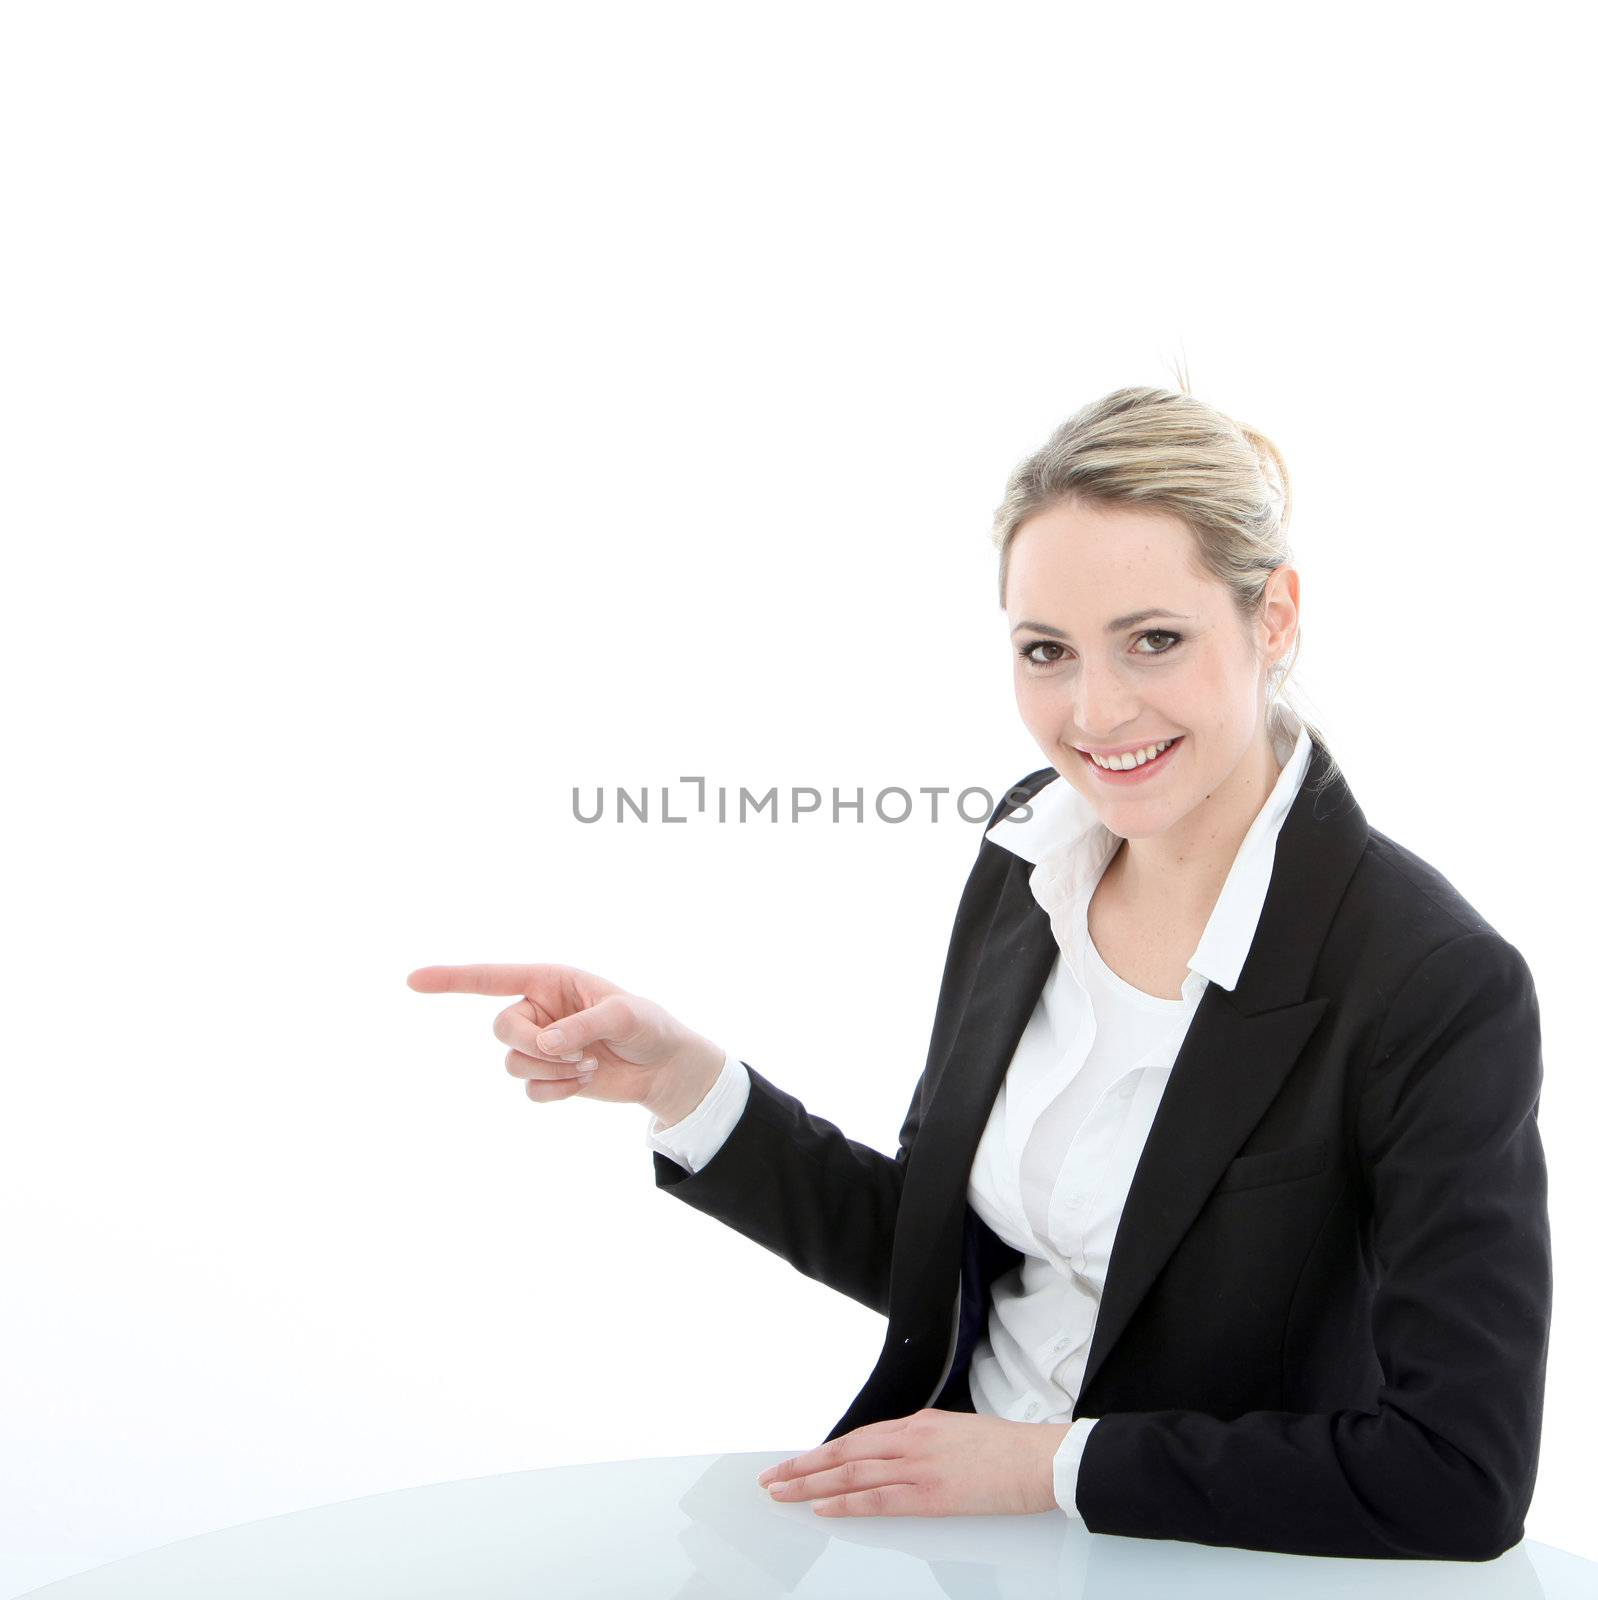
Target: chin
[(1131, 830), (1135, 819)]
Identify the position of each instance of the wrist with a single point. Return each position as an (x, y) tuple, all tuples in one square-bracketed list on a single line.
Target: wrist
[(690, 1078)]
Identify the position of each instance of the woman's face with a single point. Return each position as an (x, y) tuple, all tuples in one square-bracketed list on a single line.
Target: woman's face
[(1121, 641)]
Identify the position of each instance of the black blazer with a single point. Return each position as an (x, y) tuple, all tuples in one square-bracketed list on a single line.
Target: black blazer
[(1325, 1318)]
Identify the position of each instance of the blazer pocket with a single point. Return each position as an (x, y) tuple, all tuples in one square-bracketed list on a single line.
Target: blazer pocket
[(1263, 1167)]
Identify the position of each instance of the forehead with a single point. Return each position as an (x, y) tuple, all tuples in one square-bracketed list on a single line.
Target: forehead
[(1104, 560)]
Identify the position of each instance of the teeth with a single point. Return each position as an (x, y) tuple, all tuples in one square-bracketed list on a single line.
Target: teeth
[(1132, 758)]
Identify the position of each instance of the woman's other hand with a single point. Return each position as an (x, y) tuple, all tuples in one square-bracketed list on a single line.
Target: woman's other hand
[(931, 1464), (612, 1045)]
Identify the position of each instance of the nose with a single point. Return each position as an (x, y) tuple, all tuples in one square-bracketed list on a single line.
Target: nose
[(1105, 702)]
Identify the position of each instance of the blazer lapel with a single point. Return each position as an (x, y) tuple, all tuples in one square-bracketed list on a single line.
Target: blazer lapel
[(1228, 1071), (1015, 962)]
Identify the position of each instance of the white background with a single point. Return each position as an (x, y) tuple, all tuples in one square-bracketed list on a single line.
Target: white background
[(412, 412)]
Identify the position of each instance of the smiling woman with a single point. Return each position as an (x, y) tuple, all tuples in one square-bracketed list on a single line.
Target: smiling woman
[(1219, 1210)]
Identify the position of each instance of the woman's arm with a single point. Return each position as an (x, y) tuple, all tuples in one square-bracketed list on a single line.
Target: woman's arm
[(795, 1184), (1444, 1467)]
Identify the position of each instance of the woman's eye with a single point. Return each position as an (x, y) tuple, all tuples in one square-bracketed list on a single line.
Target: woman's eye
[(1159, 633), (1041, 644)]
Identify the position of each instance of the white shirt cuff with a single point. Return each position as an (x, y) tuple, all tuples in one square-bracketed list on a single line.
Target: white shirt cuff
[(1067, 1461), (693, 1141)]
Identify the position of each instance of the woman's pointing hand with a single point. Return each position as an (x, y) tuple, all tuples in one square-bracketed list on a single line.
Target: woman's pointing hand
[(611, 1045)]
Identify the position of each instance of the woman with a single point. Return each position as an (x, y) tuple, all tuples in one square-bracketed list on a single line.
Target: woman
[(1219, 1213)]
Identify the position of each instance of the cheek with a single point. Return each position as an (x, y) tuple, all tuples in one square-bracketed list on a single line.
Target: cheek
[(1040, 710), (1209, 693)]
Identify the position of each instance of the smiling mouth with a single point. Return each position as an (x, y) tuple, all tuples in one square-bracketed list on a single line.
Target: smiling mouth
[(1136, 770)]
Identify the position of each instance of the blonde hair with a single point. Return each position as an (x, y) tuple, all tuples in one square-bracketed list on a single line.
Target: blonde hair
[(1167, 451)]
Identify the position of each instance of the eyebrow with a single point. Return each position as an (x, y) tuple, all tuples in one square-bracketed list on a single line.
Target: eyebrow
[(1130, 620)]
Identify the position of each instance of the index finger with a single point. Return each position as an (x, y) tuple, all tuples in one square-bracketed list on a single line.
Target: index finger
[(483, 977)]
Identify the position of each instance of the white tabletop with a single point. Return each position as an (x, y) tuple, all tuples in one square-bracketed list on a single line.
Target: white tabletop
[(701, 1528)]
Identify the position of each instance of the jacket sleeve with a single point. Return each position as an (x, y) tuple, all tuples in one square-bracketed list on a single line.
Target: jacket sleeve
[(1443, 1468), (795, 1184)]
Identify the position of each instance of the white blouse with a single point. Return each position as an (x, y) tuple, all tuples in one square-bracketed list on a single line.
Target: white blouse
[(1056, 1157)]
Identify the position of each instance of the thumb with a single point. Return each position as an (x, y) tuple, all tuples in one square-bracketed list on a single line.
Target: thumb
[(614, 1019)]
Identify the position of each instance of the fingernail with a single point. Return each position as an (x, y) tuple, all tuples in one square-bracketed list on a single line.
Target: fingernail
[(585, 1077), (551, 1041), (572, 1055)]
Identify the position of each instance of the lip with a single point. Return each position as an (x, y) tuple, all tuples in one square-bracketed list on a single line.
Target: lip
[(1144, 774)]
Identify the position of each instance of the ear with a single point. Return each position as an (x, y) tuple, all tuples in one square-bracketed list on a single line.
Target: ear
[(1278, 614)]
